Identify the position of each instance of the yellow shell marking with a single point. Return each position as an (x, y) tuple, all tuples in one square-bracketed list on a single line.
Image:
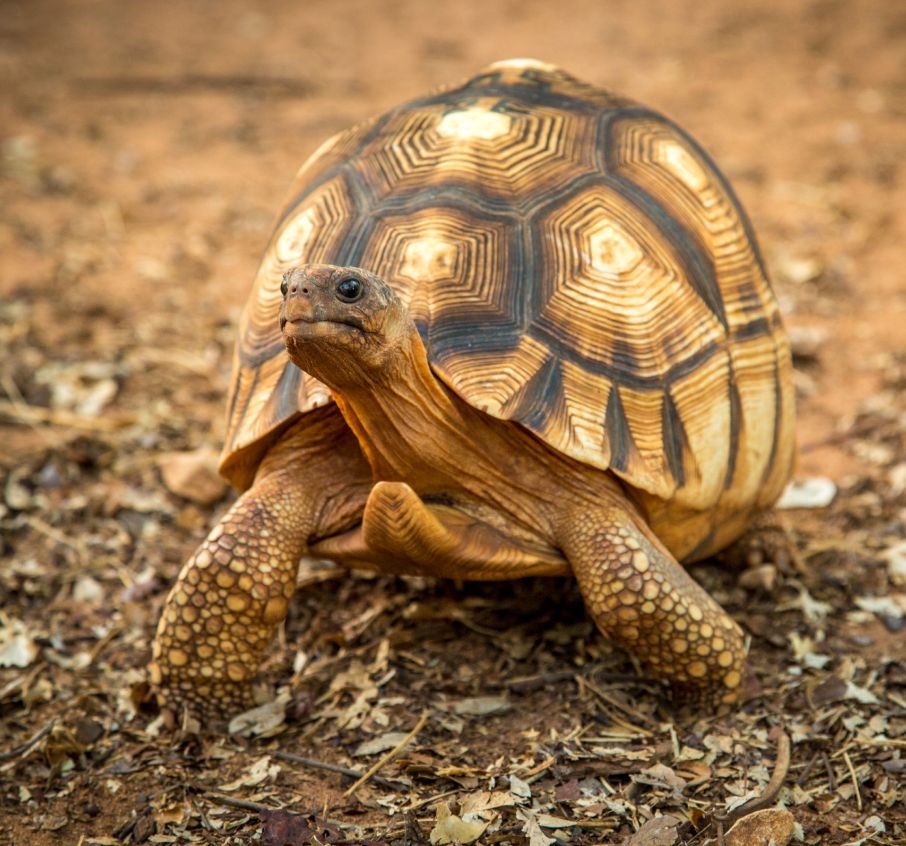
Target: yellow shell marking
[(612, 250), (427, 258), (479, 123), (292, 240), (678, 161)]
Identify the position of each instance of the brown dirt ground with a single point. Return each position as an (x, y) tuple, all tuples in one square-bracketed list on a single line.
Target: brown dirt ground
[(146, 147)]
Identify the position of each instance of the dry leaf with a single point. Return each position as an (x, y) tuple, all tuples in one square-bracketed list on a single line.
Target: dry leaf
[(532, 830), (261, 770), (17, 648), (770, 827), (257, 721), (381, 743), (450, 828), (520, 788), (660, 831), (660, 774), (885, 606), (896, 563), (482, 706), (550, 821), (485, 800)]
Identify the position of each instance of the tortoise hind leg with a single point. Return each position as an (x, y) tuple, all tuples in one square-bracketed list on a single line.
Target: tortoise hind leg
[(640, 597), (233, 593)]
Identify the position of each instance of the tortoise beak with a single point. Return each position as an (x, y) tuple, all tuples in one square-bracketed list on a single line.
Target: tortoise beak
[(297, 308)]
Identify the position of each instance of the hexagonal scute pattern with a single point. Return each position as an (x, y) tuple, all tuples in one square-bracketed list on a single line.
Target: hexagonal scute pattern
[(574, 262)]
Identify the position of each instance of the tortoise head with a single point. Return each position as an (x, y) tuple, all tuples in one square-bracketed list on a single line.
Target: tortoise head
[(341, 324)]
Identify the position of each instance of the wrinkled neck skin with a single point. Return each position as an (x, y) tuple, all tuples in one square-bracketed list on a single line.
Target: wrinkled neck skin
[(412, 428)]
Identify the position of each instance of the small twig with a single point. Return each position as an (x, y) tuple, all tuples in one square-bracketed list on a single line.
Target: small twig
[(390, 755), (808, 770), (55, 535), (831, 775), (102, 644), (289, 757), (435, 798), (852, 775), (18, 408), (32, 414), (532, 775), (523, 684), (613, 703), (23, 748), (242, 804), (781, 768)]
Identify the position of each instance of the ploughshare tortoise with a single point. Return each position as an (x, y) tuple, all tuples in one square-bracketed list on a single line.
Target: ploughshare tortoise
[(519, 327)]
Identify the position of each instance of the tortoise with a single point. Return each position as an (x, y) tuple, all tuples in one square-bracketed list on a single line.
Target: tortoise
[(518, 327)]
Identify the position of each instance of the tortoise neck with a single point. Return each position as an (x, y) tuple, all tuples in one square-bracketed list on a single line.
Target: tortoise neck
[(404, 418), (414, 429)]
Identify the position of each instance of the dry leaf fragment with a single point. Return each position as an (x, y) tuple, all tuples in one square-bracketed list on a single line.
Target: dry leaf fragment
[(812, 609), (532, 830), (660, 774), (660, 831), (896, 563), (261, 770), (885, 606), (88, 590), (381, 743), (482, 706), (569, 791), (17, 648), (550, 821), (694, 772), (450, 828), (520, 788), (485, 800), (258, 721), (769, 827), (284, 828), (861, 694)]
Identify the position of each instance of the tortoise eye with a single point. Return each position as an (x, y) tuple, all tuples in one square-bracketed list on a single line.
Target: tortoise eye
[(284, 285), (350, 290)]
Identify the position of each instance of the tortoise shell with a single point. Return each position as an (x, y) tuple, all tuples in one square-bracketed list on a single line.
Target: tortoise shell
[(574, 262)]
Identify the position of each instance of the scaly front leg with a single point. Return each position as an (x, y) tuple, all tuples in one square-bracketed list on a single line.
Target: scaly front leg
[(234, 592), (643, 599)]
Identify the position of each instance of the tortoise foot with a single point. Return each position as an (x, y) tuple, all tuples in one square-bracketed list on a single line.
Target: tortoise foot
[(767, 541), (212, 705), (696, 700)]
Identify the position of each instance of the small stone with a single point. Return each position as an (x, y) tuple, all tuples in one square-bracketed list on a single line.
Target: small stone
[(193, 475), (770, 827), (759, 578), (817, 492), (806, 341)]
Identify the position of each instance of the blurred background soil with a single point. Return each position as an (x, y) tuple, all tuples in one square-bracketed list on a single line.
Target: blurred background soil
[(146, 147)]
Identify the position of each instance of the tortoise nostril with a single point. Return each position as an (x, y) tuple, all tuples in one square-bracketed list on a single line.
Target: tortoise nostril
[(305, 290)]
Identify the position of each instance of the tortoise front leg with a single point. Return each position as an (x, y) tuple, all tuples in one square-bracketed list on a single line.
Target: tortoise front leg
[(234, 592), (640, 597)]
